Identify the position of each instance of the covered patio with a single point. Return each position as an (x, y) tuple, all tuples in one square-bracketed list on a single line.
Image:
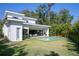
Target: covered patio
[(33, 30)]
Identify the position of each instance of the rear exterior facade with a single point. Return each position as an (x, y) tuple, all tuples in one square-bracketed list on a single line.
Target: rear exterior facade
[(18, 27)]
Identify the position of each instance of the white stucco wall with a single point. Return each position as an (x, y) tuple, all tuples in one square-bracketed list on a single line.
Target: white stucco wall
[(13, 31), (5, 30)]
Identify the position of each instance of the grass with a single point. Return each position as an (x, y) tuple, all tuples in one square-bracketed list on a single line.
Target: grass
[(35, 47)]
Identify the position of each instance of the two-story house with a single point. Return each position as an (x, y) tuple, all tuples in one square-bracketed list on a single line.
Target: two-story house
[(17, 26)]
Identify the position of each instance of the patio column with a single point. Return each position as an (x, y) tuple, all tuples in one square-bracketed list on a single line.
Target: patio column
[(28, 31), (47, 31)]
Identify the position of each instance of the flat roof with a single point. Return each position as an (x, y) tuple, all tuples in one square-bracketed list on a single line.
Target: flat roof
[(20, 15), (14, 13)]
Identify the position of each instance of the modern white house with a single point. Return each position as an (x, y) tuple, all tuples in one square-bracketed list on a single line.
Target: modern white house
[(17, 27)]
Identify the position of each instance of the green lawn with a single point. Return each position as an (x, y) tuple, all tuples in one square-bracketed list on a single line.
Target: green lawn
[(33, 47)]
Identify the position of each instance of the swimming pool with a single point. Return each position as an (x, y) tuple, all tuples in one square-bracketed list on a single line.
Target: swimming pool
[(53, 38)]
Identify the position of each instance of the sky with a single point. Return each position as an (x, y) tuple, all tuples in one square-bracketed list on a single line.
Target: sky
[(18, 7)]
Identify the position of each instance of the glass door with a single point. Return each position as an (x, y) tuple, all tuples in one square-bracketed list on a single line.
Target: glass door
[(18, 33)]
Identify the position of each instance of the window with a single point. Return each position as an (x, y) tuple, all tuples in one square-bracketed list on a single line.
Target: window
[(15, 17), (18, 33), (26, 21)]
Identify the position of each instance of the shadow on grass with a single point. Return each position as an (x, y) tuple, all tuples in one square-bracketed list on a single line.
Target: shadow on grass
[(72, 46), (52, 53), (3, 41), (6, 50), (20, 51)]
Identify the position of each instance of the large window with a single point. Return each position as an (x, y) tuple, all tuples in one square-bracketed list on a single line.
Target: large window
[(18, 33)]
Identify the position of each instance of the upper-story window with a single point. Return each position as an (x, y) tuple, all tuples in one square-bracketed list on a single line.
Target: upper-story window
[(26, 21), (15, 17)]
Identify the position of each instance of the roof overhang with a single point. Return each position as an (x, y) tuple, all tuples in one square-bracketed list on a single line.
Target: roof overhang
[(30, 18), (36, 26), (17, 20), (20, 14), (14, 13)]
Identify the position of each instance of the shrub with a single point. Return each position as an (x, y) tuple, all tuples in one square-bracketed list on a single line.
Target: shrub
[(5, 39), (60, 29), (1, 25), (74, 33), (1, 35)]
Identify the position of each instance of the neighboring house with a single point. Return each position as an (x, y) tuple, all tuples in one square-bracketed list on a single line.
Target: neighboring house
[(17, 26)]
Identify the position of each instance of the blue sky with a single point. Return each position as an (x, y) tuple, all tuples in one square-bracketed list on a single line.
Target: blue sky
[(73, 8)]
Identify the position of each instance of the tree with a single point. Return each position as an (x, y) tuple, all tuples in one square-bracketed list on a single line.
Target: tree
[(29, 13), (74, 33), (34, 14), (64, 16), (26, 13), (48, 10), (43, 11), (61, 22), (1, 25)]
